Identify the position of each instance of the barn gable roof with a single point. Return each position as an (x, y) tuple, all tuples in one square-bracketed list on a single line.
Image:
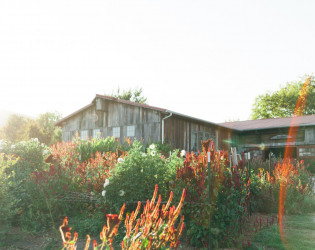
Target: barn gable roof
[(307, 120), (165, 111)]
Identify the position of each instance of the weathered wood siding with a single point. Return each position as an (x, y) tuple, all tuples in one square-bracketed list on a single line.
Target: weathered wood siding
[(179, 132), (106, 114), (226, 138)]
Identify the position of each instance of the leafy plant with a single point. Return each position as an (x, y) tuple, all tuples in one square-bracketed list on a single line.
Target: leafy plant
[(154, 229), (137, 173)]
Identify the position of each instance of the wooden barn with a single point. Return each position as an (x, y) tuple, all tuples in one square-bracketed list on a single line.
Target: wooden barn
[(272, 135), (109, 116)]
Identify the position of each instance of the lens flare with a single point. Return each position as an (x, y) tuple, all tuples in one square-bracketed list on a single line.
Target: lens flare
[(288, 153)]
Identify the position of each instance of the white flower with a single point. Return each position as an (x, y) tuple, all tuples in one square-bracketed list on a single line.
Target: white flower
[(103, 193), (182, 153), (121, 193), (152, 146), (45, 152), (42, 145), (153, 153), (35, 139), (106, 183), (144, 155), (12, 146), (141, 170), (120, 160)]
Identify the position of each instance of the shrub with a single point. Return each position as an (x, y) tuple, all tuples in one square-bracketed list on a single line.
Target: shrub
[(29, 155), (8, 202), (137, 173), (231, 193)]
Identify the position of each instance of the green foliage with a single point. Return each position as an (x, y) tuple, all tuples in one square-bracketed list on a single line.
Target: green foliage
[(88, 148), (7, 202), (49, 132), (19, 128), (282, 103), (89, 222), (135, 176), (30, 158), (14, 129), (134, 95), (165, 148)]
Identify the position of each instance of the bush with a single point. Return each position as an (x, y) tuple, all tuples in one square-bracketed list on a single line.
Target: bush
[(137, 173), (8, 202), (231, 192), (29, 155)]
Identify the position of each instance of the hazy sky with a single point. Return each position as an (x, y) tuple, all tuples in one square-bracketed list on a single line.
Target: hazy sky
[(207, 59)]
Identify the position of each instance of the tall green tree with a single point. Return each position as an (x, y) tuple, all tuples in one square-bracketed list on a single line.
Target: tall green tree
[(134, 95), (282, 102)]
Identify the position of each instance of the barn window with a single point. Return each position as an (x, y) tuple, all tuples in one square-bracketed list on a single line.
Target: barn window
[(96, 133), (84, 134), (194, 139), (131, 131), (306, 152), (116, 132)]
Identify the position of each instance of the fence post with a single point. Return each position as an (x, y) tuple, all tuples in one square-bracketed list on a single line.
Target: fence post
[(250, 204), (209, 196)]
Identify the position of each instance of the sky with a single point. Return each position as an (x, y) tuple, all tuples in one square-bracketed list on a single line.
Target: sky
[(207, 59)]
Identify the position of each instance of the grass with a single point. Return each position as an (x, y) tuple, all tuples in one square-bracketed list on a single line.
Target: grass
[(299, 233)]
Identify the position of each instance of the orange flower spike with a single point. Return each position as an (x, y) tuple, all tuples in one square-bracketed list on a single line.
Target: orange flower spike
[(102, 236), (65, 221), (137, 209), (157, 224), (137, 227), (121, 212), (154, 196), (75, 237), (127, 230), (94, 244), (164, 208), (123, 245), (132, 219), (87, 244), (142, 220), (156, 209), (150, 243)]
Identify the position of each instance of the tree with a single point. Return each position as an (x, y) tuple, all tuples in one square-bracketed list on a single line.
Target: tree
[(19, 128), (46, 123), (282, 103), (14, 129), (134, 95)]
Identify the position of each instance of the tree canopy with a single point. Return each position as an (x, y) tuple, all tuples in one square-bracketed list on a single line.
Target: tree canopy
[(134, 95), (282, 102), (19, 128)]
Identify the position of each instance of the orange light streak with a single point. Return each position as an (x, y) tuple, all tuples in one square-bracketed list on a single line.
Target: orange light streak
[(288, 153)]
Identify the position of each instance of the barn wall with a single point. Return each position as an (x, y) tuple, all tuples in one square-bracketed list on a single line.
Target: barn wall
[(110, 114), (186, 133)]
